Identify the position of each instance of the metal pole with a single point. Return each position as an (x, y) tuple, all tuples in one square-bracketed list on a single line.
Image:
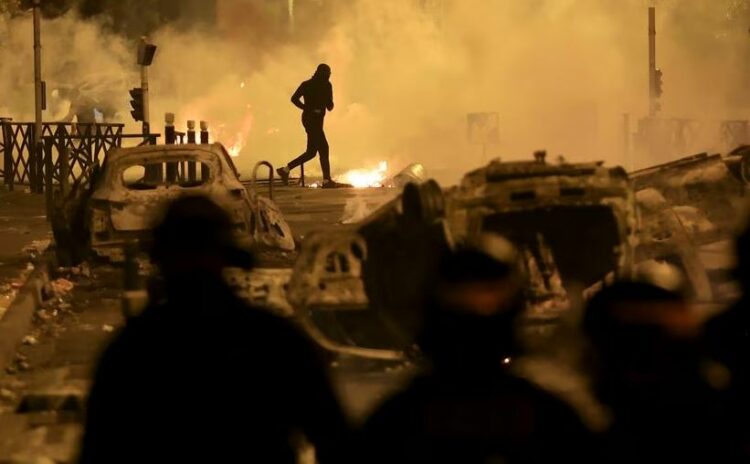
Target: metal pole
[(204, 141), (626, 141), (290, 11), (144, 87), (204, 132), (37, 148), (652, 60), (170, 138), (192, 172)]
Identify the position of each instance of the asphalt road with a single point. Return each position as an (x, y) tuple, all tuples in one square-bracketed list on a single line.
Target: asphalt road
[(57, 360), (71, 330)]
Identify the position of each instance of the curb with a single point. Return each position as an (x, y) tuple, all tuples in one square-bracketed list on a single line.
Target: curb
[(17, 321)]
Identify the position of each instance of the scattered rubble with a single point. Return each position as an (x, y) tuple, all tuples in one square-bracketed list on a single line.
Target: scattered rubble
[(7, 395), (36, 248), (62, 286), (30, 340)]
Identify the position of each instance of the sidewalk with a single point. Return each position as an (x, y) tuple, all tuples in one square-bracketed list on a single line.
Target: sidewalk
[(24, 233)]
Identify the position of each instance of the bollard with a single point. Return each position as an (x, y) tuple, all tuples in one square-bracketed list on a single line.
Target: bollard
[(204, 132), (204, 140), (191, 132), (170, 136), (192, 173)]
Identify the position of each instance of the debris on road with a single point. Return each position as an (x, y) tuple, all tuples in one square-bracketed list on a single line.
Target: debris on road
[(108, 328), (62, 286), (30, 340), (36, 248), (7, 395)]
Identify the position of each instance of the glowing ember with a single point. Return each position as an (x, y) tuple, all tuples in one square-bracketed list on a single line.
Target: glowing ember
[(364, 178), (234, 150), (237, 143)]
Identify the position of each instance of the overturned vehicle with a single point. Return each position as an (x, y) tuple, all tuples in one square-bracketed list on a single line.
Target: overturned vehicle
[(690, 210), (127, 194), (359, 291)]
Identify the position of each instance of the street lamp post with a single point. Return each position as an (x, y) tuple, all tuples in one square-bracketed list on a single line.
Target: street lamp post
[(38, 100)]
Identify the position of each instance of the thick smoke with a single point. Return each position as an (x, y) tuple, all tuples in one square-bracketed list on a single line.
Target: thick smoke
[(560, 73)]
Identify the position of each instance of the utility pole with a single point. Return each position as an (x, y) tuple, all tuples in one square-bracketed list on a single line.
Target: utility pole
[(139, 95), (146, 53), (290, 12), (38, 97), (655, 83), (653, 109), (140, 101), (144, 86)]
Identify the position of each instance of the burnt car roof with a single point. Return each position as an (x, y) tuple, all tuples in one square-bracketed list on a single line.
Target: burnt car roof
[(577, 181), (511, 170)]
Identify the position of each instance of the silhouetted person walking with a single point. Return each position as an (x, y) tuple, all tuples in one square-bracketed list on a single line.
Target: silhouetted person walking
[(314, 97), (200, 376), (469, 407), (664, 397)]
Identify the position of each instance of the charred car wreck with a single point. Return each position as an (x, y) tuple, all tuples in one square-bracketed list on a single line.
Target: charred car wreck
[(548, 210), (688, 206), (127, 195)]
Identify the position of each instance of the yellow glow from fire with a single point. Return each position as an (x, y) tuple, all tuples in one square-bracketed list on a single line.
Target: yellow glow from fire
[(234, 150), (364, 178)]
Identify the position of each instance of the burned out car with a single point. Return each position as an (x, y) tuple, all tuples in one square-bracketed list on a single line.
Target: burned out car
[(689, 209), (128, 194), (554, 213)]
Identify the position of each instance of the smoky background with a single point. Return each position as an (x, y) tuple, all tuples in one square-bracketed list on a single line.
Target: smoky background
[(560, 73)]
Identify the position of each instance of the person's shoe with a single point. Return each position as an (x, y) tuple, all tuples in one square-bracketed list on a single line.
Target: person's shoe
[(283, 173), (332, 184)]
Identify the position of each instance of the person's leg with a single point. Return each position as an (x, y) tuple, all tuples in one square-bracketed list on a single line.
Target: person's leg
[(309, 153), (312, 148), (325, 165)]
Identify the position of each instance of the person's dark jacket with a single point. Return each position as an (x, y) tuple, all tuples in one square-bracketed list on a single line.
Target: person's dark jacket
[(317, 94), (472, 417), (205, 378)]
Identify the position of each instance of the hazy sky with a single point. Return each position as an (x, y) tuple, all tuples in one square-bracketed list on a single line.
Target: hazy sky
[(560, 73)]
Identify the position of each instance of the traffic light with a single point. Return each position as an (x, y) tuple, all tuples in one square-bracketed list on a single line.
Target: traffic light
[(146, 52), (658, 89), (136, 102)]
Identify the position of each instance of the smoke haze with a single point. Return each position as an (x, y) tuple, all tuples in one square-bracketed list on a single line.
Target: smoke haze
[(560, 73)]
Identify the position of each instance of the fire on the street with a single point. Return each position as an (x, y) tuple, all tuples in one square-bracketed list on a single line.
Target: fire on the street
[(234, 150), (364, 178)]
